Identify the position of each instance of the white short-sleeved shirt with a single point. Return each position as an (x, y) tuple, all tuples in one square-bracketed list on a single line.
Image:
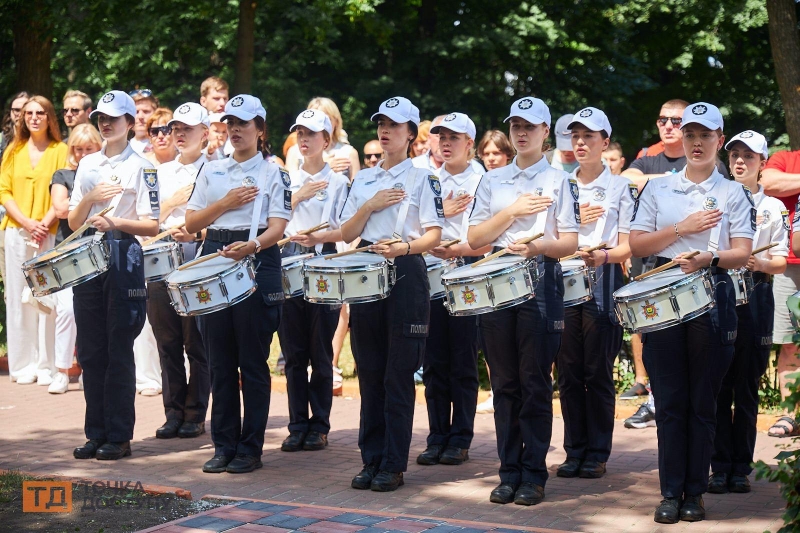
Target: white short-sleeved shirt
[(140, 147), (325, 206), (772, 221), (424, 161), (172, 176), (140, 198), (670, 199), (501, 187), (616, 195), (459, 184), (425, 209), (217, 178)]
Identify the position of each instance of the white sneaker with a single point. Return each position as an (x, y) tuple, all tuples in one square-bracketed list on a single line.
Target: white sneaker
[(60, 384), (26, 380), (150, 392), (486, 406), (45, 380), (80, 381)]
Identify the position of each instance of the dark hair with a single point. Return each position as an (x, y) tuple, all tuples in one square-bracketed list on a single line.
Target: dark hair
[(414, 132), (500, 140), (262, 145), (8, 124)]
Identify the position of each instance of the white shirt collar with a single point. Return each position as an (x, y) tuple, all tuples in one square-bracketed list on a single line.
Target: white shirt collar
[(305, 176), (531, 171), (395, 170), (115, 160)]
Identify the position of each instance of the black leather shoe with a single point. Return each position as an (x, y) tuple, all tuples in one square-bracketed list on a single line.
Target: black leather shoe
[(738, 484), (88, 450), (386, 481), (315, 441), (190, 430), (569, 468), (294, 442), (668, 511), (430, 456), (718, 483), (243, 464), (454, 456), (692, 509), (363, 479), (111, 451), (217, 464), (592, 470), (169, 430), (503, 493), (529, 494)]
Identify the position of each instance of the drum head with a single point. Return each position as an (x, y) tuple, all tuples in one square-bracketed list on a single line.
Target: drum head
[(69, 247), (431, 260), (572, 264), (209, 268), (354, 260), (159, 247), (494, 265), (295, 258), (654, 282)]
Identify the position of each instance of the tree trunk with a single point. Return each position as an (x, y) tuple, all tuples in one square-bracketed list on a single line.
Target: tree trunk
[(785, 42), (245, 47), (32, 44)]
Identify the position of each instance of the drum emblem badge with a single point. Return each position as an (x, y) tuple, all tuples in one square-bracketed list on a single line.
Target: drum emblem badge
[(649, 310), (41, 279), (322, 285), (203, 295), (469, 296)]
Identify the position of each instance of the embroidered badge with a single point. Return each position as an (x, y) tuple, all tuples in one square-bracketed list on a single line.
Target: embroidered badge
[(710, 203), (699, 110), (539, 191), (753, 217), (573, 188), (248, 181), (203, 295), (287, 199), (287, 181), (469, 296), (525, 103), (764, 218), (308, 113), (633, 190), (321, 195), (585, 113), (151, 177), (439, 203), (599, 195), (461, 192), (134, 256), (154, 204), (650, 310), (323, 287), (450, 118), (785, 219), (108, 98), (398, 186), (436, 186), (41, 279), (237, 102), (114, 179), (749, 195), (746, 134), (182, 110), (392, 102)]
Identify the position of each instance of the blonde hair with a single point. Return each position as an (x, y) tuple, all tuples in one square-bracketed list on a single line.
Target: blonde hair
[(329, 107), (158, 114), (81, 134), (213, 82), (424, 130), (87, 102)]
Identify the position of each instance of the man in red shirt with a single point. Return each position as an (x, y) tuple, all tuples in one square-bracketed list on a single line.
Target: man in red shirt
[(781, 178)]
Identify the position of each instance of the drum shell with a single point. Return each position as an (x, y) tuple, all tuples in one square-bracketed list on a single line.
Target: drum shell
[(336, 284), (511, 284), (578, 282), (292, 274), (436, 267), (160, 259), (225, 288), (84, 260), (742, 284)]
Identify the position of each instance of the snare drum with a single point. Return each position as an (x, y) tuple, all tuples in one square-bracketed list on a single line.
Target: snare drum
[(500, 283), (210, 286), (160, 259), (292, 274), (663, 300), (70, 265), (742, 284), (356, 278), (578, 282), (436, 267)]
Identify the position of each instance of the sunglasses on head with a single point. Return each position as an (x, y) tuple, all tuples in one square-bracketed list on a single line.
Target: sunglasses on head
[(141, 92), (370, 156), (155, 130), (675, 121)]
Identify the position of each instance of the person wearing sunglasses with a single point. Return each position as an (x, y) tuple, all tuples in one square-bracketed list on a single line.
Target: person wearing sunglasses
[(160, 132), (77, 106), (146, 105), (372, 153)]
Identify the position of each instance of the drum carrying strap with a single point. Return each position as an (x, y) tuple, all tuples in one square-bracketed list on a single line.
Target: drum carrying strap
[(403, 211), (262, 185), (541, 218), (326, 210), (713, 239), (114, 204)]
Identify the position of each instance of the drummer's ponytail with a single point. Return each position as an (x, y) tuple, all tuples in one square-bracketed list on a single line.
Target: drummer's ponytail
[(262, 144)]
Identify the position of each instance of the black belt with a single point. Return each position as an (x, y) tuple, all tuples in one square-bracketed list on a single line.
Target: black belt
[(327, 248), (539, 258), (761, 277), (116, 234), (228, 236)]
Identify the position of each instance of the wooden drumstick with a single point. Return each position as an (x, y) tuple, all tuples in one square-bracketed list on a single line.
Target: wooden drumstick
[(504, 251), (665, 266), (362, 249), (763, 248), (446, 244), (161, 235), (304, 232), (210, 256), (86, 225), (601, 246)]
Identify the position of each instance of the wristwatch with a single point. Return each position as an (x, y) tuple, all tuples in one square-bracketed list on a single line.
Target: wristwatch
[(714, 259), (258, 245)]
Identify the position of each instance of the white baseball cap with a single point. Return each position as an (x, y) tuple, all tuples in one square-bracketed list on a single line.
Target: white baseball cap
[(754, 140), (244, 107), (457, 122), (398, 109), (313, 119), (191, 114), (702, 113), (115, 104), (592, 118), (564, 133), (216, 117), (531, 109)]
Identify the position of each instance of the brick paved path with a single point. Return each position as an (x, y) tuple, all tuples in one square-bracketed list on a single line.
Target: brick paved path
[(39, 431)]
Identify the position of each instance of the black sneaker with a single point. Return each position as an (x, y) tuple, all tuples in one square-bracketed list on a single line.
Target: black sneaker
[(644, 417), (634, 393)]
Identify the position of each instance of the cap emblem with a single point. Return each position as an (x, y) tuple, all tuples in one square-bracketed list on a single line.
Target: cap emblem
[(525, 103), (449, 118), (392, 102), (585, 113), (182, 110), (236, 102), (699, 110), (108, 98), (746, 134), (307, 113)]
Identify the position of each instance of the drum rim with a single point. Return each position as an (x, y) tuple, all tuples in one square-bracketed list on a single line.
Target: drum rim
[(342, 270), (488, 275), (220, 306), (378, 260), (674, 322), (578, 301), (688, 278), (166, 245), (355, 300), (296, 260), (491, 308), (245, 262), (85, 243)]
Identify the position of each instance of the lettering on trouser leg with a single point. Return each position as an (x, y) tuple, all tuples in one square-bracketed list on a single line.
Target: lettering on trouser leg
[(415, 329)]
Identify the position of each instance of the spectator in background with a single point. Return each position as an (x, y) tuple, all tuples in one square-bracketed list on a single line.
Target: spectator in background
[(214, 94), (161, 140), (77, 106), (563, 156), (83, 140), (28, 166), (146, 105), (218, 144), (495, 150), (11, 118), (422, 144), (290, 141), (614, 158), (372, 153)]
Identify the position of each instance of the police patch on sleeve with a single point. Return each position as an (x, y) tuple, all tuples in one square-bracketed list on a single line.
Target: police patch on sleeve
[(785, 219), (577, 208), (287, 199), (435, 184), (287, 181), (154, 204), (749, 195), (633, 190), (753, 217), (151, 177), (573, 188), (439, 206)]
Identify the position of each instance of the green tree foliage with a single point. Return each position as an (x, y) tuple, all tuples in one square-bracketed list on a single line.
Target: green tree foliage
[(625, 56)]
